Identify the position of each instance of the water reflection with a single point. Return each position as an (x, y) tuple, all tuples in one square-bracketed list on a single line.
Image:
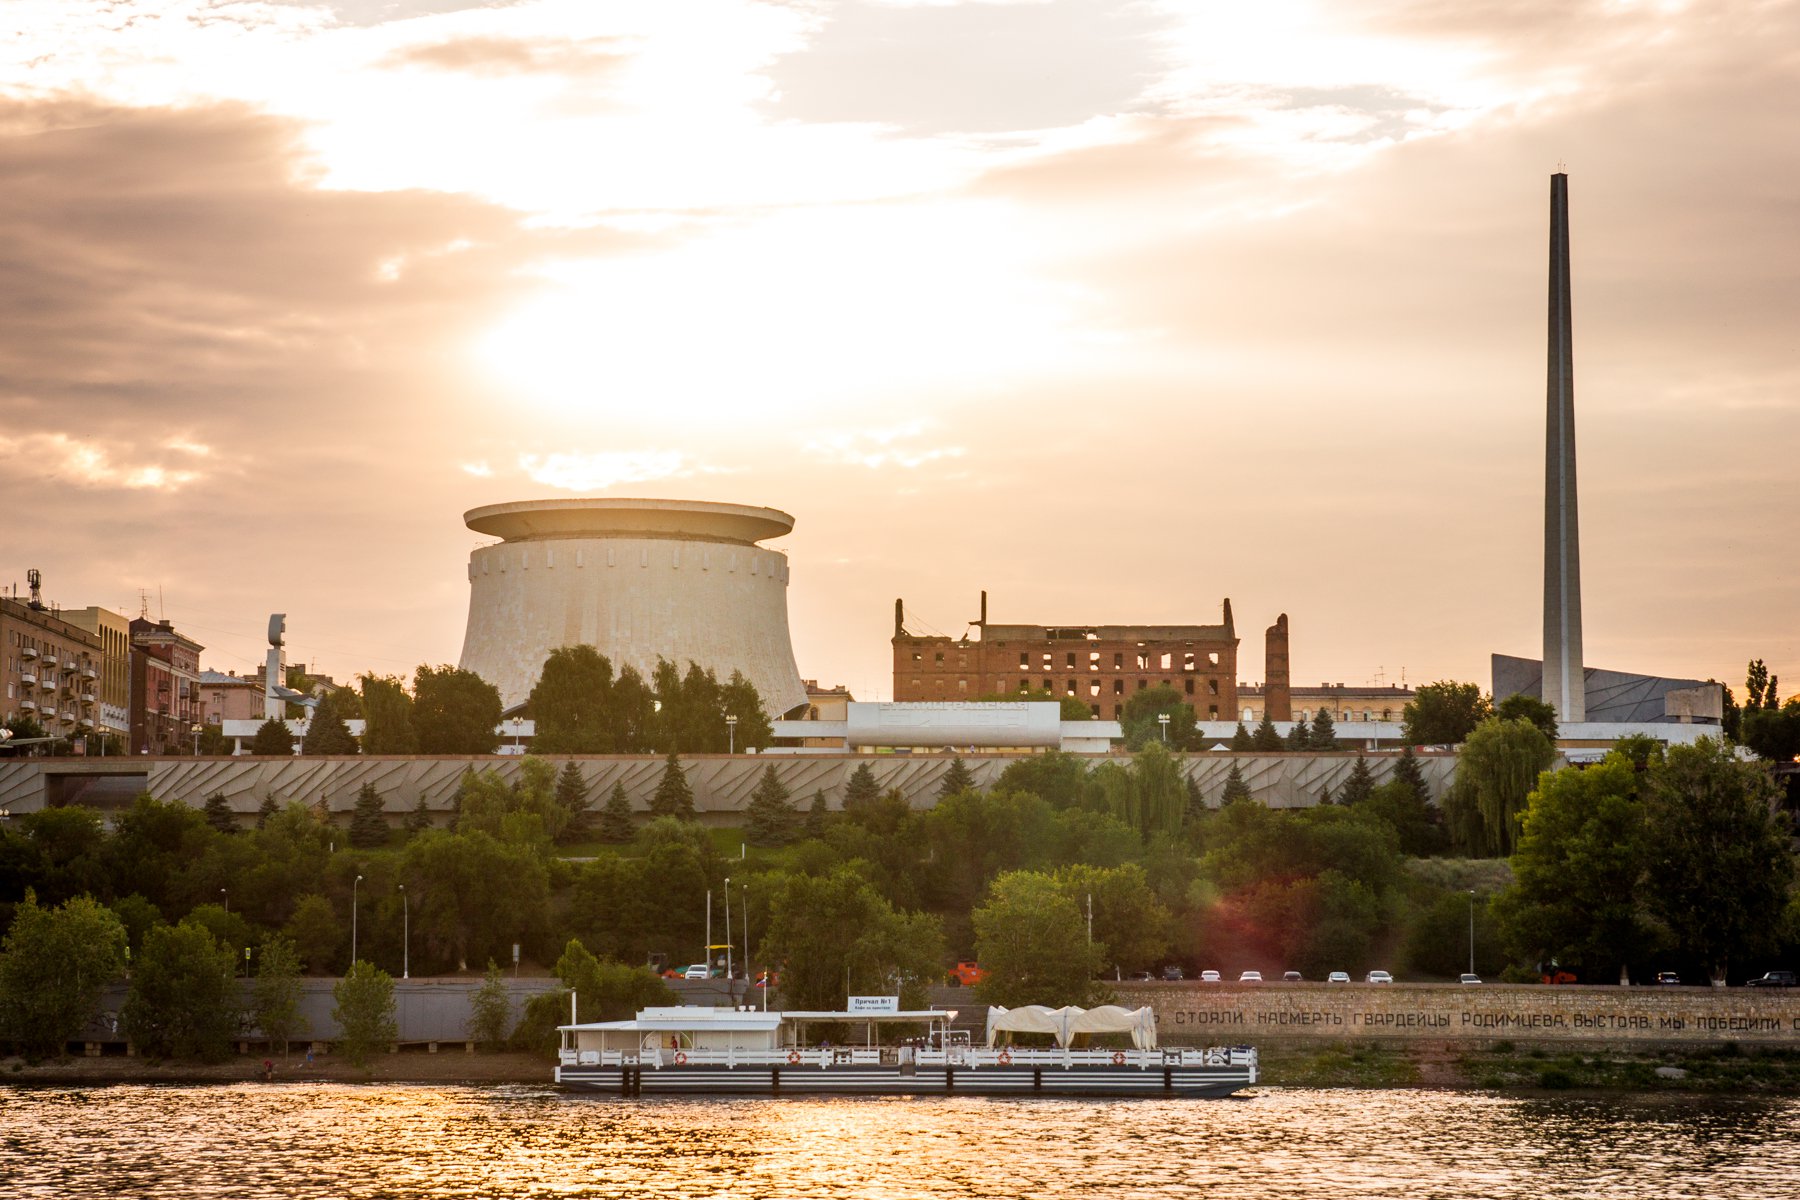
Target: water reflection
[(394, 1141)]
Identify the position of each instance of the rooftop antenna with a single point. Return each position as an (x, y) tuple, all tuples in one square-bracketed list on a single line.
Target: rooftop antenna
[(143, 604), (162, 613), (36, 581)]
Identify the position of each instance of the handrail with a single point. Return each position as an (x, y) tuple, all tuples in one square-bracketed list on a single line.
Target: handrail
[(961, 1058)]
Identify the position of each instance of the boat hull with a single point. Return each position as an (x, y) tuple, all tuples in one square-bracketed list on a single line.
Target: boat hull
[(885, 1080)]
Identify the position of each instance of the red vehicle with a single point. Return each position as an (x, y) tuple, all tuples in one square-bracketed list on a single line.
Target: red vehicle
[(966, 974)]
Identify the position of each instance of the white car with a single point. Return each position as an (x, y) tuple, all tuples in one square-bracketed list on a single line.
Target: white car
[(1379, 977), (1209, 977), (697, 971), (1338, 977), (1467, 978), (1250, 977)]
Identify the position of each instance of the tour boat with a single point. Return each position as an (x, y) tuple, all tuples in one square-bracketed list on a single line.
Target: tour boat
[(742, 1051)]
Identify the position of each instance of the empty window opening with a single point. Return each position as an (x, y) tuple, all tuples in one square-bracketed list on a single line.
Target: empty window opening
[(917, 657), (1168, 660), (1118, 687), (1071, 688), (1024, 660), (939, 657), (1093, 660), (1118, 660), (1212, 659), (1187, 661), (1190, 687), (1071, 657), (1095, 709), (1212, 712), (1143, 660), (1094, 688), (1118, 711), (962, 685), (1212, 687)]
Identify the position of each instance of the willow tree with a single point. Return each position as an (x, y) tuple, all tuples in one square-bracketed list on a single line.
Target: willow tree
[(1495, 773)]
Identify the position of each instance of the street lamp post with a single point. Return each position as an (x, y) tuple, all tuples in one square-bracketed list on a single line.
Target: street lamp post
[(1471, 931), (405, 935), (196, 732), (731, 734), (225, 899), (730, 988), (353, 888), (1162, 719)]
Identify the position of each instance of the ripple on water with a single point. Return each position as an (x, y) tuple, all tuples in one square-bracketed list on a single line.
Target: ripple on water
[(406, 1141)]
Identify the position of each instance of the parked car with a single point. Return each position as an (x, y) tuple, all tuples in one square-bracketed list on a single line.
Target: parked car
[(1209, 977), (1250, 977), (1338, 977), (1668, 977), (1292, 977), (1468, 978), (1173, 974), (697, 971), (1772, 979), (966, 974), (1378, 977), (1142, 977)]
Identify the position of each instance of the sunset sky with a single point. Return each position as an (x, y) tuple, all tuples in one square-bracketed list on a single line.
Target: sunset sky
[(1113, 309)]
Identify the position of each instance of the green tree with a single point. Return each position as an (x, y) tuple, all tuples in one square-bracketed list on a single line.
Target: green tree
[(525, 812), (1162, 797), (1408, 771), (1495, 773), (571, 797), (1356, 789), (818, 815), (218, 813), (490, 1010), (1298, 738), (316, 932), (862, 791), (1141, 719), (957, 779), (275, 997), (616, 824), (1773, 734), (364, 1011), (1575, 895), (1323, 735), (1128, 920), (770, 816), (272, 737), (368, 825), (183, 1001), (326, 732), (1520, 705), (1438, 941), (829, 935), (53, 964), (1759, 686), (476, 895), (1444, 713), (741, 700), (265, 810), (1720, 857), (1032, 939), (1235, 788), (571, 703), (1241, 741), (419, 819), (454, 711), (609, 991), (1265, 740), (1406, 813), (387, 716), (673, 797)]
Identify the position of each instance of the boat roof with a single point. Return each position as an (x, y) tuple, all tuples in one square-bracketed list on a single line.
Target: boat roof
[(732, 1020)]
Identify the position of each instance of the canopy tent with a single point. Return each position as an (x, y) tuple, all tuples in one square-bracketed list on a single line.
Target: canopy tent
[(1065, 1023)]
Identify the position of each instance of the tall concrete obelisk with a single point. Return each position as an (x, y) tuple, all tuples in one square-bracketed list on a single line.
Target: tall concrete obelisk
[(1564, 680)]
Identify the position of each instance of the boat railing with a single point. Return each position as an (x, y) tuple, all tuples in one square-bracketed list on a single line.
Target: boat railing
[(959, 1057)]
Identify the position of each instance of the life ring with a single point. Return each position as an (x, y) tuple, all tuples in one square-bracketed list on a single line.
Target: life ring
[(1118, 1058), (793, 1058), (680, 1059), (1005, 1058)]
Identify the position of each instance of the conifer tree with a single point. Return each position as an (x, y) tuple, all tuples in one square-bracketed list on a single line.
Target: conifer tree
[(368, 827), (419, 819), (772, 820), (1265, 738), (1240, 741), (218, 813), (1324, 734), (1235, 787), (1325, 796), (957, 779), (1196, 803), (817, 816), (673, 797), (616, 825), (265, 810), (1296, 737), (272, 737), (571, 795), (862, 790), (1356, 789), (1409, 772), (326, 733)]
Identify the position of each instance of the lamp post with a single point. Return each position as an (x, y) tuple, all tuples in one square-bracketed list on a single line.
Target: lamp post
[(225, 899), (731, 734), (405, 935), (196, 732), (730, 990), (1471, 931), (1162, 719), (353, 888)]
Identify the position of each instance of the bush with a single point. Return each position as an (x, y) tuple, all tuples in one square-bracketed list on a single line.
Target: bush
[(364, 1010)]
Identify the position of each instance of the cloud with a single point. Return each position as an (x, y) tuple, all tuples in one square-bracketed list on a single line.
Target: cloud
[(877, 448), (495, 55), (85, 463), (577, 472)]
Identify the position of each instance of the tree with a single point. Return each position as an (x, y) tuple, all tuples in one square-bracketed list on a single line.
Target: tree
[(571, 797), (1235, 787), (316, 933), (741, 700), (616, 824), (1241, 742), (1142, 724), (454, 711), (1520, 705), (275, 997), (476, 894), (490, 1010), (1031, 938), (364, 1011), (571, 703), (1406, 813), (1444, 713), (218, 813), (831, 934), (183, 1001), (770, 817), (1297, 738), (1265, 740), (387, 716), (957, 779), (862, 790), (1128, 920), (818, 815), (326, 733), (1323, 735), (368, 827), (609, 991), (673, 797), (525, 812), (419, 819), (272, 737), (1773, 734), (1408, 771), (1719, 858), (265, 810), (1495, 774), (1759, 686), (1162, 797), (53, 964), (1356, 789), (1575, 896)]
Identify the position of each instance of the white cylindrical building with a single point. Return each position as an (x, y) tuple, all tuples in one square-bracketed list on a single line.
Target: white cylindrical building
[(637, 580)]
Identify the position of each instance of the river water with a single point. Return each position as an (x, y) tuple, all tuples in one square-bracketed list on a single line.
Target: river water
[(332, 1140)]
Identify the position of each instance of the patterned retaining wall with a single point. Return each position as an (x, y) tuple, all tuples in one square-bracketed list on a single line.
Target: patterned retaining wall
[(1211, 1013), (722, 784)]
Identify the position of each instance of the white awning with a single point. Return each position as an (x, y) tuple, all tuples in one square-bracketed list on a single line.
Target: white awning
[(1064, 1023)]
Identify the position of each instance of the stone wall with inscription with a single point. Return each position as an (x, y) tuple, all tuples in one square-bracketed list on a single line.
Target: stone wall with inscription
[(1221, 1013)]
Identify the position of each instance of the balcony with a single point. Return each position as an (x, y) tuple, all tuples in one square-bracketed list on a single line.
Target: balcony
[(69, 717), (88, 697), (50, 661), (27, 706), (28, 678), (88, 672), (28, 652), (70, 666)]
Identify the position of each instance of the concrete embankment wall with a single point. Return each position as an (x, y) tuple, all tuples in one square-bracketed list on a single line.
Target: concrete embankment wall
[(1215, 1014), (722, 784)]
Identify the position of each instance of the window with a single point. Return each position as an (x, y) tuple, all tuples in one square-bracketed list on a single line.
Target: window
[(962, 685), (1212, 660), (1095, 709), (1168, 661), (938, 658), (812, 713), (1071, 660), (1143, 660), (1071, 689), (917, 657), (1387, 714), (1142, 684), (1119, 660), (1118, 687), (1190, 687), (1024, 660), (1050, 687), (1094, 688), (1365, 714), (1093, 660), (1212, 687), (1187, 661)]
